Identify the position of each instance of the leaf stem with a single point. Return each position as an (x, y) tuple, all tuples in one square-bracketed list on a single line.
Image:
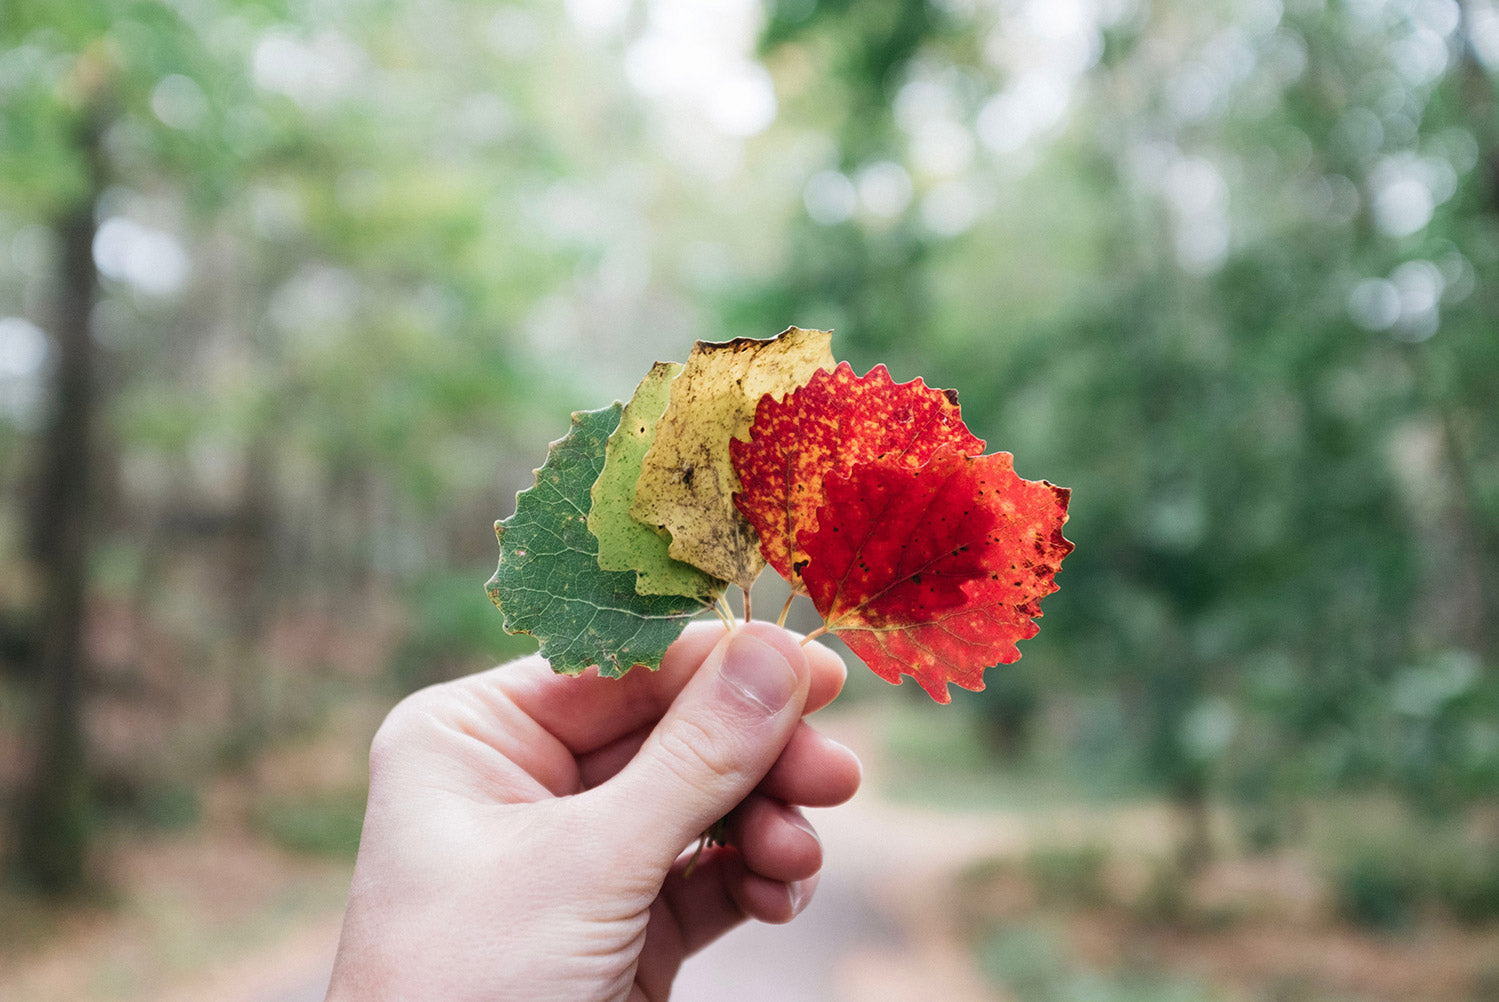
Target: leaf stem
[(785, 609), (727, 621), (746, 593), (815, 634), (697, 853)]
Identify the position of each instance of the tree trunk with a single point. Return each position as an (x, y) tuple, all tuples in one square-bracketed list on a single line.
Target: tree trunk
[(55, 808)]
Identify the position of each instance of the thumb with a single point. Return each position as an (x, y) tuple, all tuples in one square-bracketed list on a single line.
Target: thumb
[(719, 739)]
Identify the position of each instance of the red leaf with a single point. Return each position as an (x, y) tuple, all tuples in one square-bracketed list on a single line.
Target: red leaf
[(825, 427), (935, 571)]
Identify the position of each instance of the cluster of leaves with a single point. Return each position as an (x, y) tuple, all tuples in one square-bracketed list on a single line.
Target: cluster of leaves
[(870, 497)]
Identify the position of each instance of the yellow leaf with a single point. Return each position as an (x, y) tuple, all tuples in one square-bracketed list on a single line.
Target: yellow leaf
[(687, 480)]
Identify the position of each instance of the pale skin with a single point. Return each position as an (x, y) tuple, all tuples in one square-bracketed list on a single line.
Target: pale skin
[(527, 834)]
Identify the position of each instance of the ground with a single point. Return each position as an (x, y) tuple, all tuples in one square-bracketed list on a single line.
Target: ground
[(916, 902)]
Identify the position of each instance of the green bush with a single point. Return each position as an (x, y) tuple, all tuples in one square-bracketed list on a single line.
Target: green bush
[(1378, 888), (1466, 885), (1032, 963), (1386, 885)]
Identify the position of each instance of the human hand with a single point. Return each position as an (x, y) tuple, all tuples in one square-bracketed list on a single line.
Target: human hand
[(525, 832)]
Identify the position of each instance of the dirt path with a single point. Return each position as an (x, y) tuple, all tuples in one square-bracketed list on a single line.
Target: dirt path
[(878, 929)]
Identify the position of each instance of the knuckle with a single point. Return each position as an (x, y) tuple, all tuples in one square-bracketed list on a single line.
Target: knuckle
[(394, 736), (699, 755)]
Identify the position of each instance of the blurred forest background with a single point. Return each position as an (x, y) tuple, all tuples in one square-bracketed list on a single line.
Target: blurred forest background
[(294, 292)]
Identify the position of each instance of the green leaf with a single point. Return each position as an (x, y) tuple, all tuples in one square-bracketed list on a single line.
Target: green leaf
[(624, 543), (549, 583)]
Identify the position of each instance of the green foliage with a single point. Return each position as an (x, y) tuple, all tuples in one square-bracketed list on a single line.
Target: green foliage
[(1443, 748), (1009, 707), (453, 632), (325, 824), (162, 804), (1032, 962), (1391, 876), (1466, 886), (944, 759), (1070, 874), (1378, 889)]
